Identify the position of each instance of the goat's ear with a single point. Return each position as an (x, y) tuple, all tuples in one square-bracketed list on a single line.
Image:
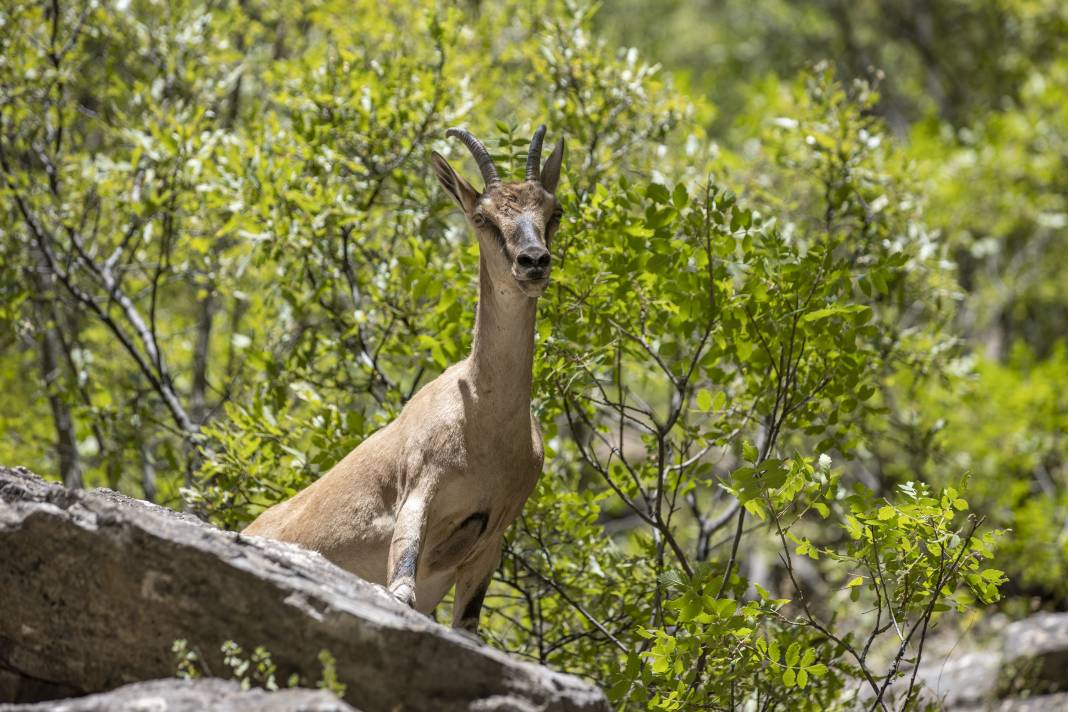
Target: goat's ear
[(550, 174), (461, 191)]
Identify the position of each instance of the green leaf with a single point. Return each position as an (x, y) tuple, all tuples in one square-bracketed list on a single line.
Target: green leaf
[(689, 605), (724, 607), (854, 527), (749, 451), (638, 230), (671, 579), (793, 654), (657, 193), (835, 310), (680, 197)]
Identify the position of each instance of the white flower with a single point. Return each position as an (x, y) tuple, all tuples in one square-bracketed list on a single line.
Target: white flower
[(825, 461)]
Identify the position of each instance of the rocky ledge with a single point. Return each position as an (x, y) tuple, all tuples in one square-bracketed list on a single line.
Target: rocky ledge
[(96, 587)]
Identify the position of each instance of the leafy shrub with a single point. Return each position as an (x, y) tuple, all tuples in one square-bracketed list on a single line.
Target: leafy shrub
[(245, 269)]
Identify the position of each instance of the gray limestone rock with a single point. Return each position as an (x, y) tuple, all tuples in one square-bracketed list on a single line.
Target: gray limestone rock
[(1041, 703), (95, 588), (175, 695), (1035, 652)]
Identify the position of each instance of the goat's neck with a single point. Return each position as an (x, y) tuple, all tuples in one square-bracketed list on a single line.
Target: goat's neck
[(502, 353)]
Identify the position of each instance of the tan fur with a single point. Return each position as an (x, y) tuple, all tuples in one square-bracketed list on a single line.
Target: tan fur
[(438, 487)]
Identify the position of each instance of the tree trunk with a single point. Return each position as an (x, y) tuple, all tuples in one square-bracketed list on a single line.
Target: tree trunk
[(148, 471), (198, 397), (66, 438)]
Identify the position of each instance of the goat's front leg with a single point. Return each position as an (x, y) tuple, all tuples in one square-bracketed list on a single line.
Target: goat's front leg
[(472, 580), (405, 547)]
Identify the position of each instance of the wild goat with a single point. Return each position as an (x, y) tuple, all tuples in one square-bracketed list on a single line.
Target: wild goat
[(423, 503)]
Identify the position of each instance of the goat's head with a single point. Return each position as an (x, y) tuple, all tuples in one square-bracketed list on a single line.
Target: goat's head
[(513, 221)]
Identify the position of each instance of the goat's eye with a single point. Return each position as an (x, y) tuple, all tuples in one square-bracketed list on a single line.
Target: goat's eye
[(478, 220)]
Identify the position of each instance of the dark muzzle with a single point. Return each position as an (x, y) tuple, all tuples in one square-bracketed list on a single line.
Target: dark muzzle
[(533, 262)]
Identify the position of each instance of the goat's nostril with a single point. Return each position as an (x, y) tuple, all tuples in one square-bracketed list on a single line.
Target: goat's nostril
[(534, 261)]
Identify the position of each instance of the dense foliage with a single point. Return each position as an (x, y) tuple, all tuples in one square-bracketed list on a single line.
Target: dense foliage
[(802, 357)]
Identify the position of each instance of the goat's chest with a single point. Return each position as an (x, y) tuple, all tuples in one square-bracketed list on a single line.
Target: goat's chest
[(499, 493), (474, 507)]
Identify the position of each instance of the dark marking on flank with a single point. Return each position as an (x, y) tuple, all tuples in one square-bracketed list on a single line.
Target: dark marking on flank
[(469, 617), (406, 563), (481, 517), (451, 552)]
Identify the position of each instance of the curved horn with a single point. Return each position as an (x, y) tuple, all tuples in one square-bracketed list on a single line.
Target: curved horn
[(482, 156), (534, 155)]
